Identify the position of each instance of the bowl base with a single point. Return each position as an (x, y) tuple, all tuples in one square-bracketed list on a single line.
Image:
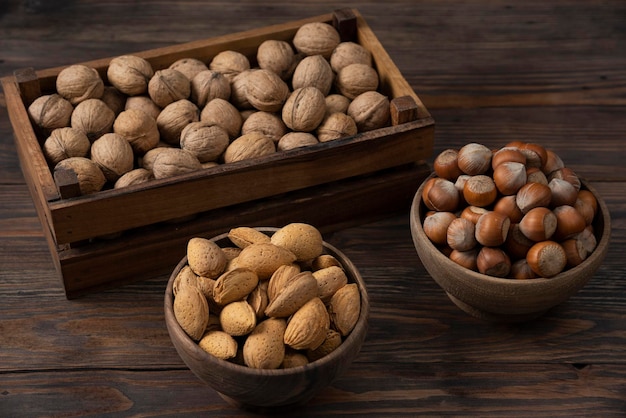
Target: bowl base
[(494, 317)]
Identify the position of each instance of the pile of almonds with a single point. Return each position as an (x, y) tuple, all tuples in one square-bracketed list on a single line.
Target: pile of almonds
[(516, 212), (265, 302), (140, 123)]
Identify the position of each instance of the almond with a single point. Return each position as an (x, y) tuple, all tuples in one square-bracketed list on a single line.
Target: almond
[(258, 299), (264, 259), (191, 311), (264, 347), (323, 261), (234, 285), (219, 344), (304, 240), (294, 358), (296, 291), (345, 307), (243, 236), (238, 318), (280, 277), (205, 257), (333, 341), (307, 327), (329, 280), (185, 277)]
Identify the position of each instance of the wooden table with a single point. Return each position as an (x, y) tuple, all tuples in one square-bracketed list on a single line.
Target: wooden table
[(490, 71)]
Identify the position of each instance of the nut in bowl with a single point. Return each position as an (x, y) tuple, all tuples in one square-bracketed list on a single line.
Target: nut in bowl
[(502, 249), (269, 332)]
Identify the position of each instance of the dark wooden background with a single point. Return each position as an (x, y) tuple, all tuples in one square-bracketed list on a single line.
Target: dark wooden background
[(490, 71)]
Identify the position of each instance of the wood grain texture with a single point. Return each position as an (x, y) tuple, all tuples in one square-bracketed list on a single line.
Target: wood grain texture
[(491, 71)]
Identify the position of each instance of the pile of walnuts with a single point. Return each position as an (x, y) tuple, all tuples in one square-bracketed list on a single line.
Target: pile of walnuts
[(140, 123)]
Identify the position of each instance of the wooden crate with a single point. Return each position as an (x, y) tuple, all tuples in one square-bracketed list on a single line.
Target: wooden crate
[(331, 185)]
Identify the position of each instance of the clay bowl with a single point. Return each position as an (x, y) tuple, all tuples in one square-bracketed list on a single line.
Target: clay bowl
[(506, 300), (269, 390)]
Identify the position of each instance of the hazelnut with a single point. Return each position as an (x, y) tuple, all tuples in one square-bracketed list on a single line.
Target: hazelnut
[(347, 53), (336, 126), (507, 154), (587, 196), (568, 175), (436, 226), (79, 82), (173, 119), (440, 194), (507, 205), (509, 177), (205, 141), (569, 222), (208, 85), (474, 158), (575, 251), (314, 71), (532, 195), (130, 74), (266, 91), (538, 224), (293, 140), (92, 117), (113, 154), (370, 111), (493, 262), (588, 239), (304, 109), (553, 162), (472, 213), (520, 270), (536, 155), (492, 229), (65, 143), (446, 164), (138, 128), (269, 124), (465, 259), (90, 177), (585, 209), (355, 79), (50, 111), (546, 258), (517, 244), (168, 86), (316, 38), (222, 113), (480, 190), (563, 192), (230, 63), (535, 175), (460, 235), (277, 56), (189, 67), (248, 146)]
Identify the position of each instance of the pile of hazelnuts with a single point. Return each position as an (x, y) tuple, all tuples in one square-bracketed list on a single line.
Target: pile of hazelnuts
[(516, 212)]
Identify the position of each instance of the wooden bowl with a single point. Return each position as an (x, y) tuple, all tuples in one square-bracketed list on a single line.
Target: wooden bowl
[(269, 390), (506, 300)]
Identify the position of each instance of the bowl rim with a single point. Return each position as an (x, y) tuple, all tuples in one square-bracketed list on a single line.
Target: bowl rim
[(603, 235), (359, 330)]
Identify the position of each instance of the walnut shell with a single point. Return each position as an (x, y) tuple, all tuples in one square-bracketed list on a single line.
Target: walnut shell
[(90, 177), (230, 63), (266, 91), (249, 146), (50, 111), (143, 103), (204, 140), (348, 53), (173, 119), (79, 82), (277, 56), (269, 124), (189, 67), (222, 113), (138, 128), (293, 140), (238, 88), (114, 98), (92, 117), (336, 103), (316, 38), (370, 110), (168, 86), (304, 109), (208, 85), (174, 162), (335, 126), (147, 160), (130, 74), (315, 71), (65, 143), (135, 176), (355, 79), (113, 154)]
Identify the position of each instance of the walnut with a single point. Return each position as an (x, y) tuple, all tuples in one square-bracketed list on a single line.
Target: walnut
[(50, 111), (113, 154), (168, 86), (354, 79), (173, 119), (336, 103), (92, 117), (293, 140), (136, 176), (65, 143), (304, 109), (266, 91), (315, 71), (114, 98), (79, 82), (269, 124), (143, 103), (189, 67), (90, 177), (130, 74), (174, 162), (208, 85), (316, 38), (348, 53), (230, 63), (147, 160), (249, 146), (204, 140), (138, 128), (238, 87), (335, 126), (222, 113), (277, 56), (370, 110)]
